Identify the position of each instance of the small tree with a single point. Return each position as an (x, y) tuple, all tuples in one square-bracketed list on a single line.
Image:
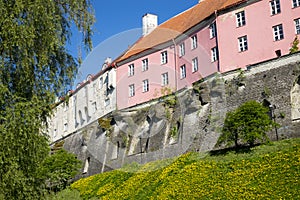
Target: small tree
[(295, 44), (246, 124), (59, 168)]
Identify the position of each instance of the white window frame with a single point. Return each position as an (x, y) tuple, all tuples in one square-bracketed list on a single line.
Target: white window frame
[(275, 7), (214, 54), (131, 69), (194, 42), (164, 79), (240, 19), (145, 85), (181, 49), (131, 90), (195, 64), (243, 43), (297, 25), (145, 64), (212, 30), (182, 71), (164, 57), (278, 32), (296, 3)]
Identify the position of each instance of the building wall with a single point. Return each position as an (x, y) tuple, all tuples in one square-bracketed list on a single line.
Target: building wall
[(259, 32), (153, 74), (91, 100), (203, 53)]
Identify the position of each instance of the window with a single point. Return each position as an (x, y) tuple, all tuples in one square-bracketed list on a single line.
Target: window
[(182, 71), (131, 70), (214, 55), (243, 43), (212, 30), (195, 65), (65, 126), (278, 32), (106, 102), (194, 41), (164, 79), (145, 64), (94, 107), (131, 90), (181, 49), (100, 83), (297, 25), (296, 3), (164, 57), (145, 85), (240, 19), (66, 106), (275, 7)]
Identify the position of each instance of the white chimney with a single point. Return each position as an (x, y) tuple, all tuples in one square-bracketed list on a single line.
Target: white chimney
[(149, 23)]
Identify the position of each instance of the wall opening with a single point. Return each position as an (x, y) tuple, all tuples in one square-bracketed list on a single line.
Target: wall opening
[(295, 100), (86, 165)]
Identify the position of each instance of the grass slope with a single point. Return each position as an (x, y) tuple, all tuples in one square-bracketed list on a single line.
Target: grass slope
[(264, 172)]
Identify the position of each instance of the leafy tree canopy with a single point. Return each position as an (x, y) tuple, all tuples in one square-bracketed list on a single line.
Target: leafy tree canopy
[(59, 169), (246, 124), (35, 66)]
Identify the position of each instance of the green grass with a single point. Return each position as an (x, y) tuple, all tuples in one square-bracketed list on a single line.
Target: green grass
[(269, 171)]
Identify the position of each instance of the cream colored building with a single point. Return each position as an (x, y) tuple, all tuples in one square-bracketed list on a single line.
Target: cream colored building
[(93, 98)]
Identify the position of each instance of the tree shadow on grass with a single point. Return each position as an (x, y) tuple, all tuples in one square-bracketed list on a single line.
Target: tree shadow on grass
[(238, 150)]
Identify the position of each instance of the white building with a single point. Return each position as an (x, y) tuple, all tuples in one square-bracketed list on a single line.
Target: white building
[(92, 99)]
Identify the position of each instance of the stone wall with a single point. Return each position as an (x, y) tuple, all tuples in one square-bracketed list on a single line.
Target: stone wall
[(190, 120)]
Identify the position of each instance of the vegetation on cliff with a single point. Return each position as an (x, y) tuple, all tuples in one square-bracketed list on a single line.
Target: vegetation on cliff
[(269, 171)]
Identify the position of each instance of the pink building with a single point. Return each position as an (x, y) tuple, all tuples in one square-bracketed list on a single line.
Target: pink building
[(213, 36)]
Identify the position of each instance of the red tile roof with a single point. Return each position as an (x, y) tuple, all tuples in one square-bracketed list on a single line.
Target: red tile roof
[(178, 25)]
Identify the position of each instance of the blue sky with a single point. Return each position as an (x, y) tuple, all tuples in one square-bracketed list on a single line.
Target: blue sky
[(118, 25)]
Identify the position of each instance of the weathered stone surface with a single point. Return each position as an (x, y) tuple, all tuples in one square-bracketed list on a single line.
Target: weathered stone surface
[(193, 123)]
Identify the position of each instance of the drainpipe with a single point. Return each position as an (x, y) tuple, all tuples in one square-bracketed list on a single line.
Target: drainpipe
[(175, 63), (217, 43)]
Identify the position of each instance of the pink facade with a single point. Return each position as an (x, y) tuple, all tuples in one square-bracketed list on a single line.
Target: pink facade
[(153, 73), (258, 29), (243, 34)]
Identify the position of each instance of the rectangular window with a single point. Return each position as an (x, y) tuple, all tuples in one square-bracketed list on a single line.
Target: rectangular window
[(296, 3), (182, 71), (240, 19), (106, 102), (297, 25), (214, 54), (278, 32), (145, 64), (212, 30), (275, 7), (145, 85), (243, 43), (195, 64), (100, 83), (131, 70), (194, 42), (164, 57), (164, 79), (131, 90), (181, 49), (94, 107), (65, 126)]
